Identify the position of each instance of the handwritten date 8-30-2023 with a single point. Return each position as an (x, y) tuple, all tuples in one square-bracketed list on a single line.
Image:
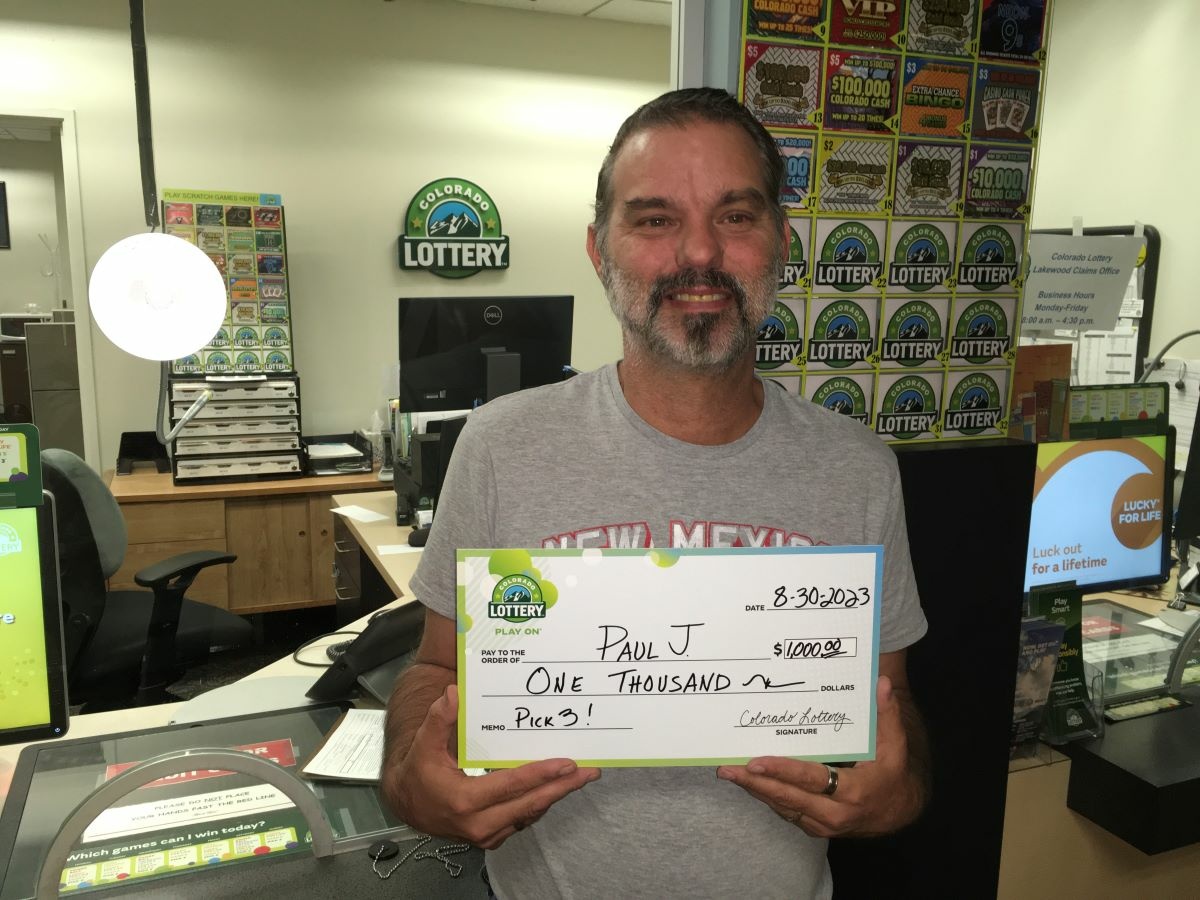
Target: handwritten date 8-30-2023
[(813, 597)]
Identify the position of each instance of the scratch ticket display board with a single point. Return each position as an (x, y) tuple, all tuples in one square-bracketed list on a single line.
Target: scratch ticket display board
[(243, 234), (909, 131), (180, 825)]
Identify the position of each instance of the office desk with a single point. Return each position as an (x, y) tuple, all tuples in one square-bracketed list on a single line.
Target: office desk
[(281, 531), (365, 578)]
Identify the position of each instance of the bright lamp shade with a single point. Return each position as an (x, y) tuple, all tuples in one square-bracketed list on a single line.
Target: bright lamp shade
[(157, 296)]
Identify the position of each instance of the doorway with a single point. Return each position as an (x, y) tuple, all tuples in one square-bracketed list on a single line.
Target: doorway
[(46, 373)]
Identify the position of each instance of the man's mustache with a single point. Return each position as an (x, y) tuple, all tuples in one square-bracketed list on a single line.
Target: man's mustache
[(692, 278)]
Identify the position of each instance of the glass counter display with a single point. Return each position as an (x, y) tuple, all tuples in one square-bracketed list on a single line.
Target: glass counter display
[(1129, 650), (180, 823)]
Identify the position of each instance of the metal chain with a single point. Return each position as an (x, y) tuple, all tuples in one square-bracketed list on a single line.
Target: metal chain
[(438, 853)]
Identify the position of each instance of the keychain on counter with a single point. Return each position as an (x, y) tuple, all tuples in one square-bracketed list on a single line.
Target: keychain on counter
[(386, 849)]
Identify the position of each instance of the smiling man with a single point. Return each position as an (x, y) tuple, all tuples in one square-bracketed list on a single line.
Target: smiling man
[(667, 447)]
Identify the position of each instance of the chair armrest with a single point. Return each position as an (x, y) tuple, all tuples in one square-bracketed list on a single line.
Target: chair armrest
[(181, 564)]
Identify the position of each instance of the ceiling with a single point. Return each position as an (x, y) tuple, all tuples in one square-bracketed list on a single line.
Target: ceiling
[(642, 12)]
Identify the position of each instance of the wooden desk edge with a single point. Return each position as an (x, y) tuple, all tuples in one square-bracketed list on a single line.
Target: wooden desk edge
[(367, 535), (153, 487)]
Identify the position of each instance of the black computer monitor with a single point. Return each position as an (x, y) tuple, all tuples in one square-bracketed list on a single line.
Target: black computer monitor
[(1101, 512), (459, 352), (33, 677)]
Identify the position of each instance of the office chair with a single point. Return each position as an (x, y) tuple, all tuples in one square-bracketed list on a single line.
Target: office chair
[(124, 647)]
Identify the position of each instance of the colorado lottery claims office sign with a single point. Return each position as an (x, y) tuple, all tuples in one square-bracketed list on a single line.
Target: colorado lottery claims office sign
[(452, 229)]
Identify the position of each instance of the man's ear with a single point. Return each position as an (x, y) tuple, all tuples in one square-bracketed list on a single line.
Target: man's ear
[(592, 251)]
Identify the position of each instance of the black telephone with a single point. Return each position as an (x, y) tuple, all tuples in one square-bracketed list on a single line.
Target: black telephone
[(390, 633)]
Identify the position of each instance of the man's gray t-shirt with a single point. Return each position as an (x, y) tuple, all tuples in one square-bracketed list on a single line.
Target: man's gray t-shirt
[(572, 465)]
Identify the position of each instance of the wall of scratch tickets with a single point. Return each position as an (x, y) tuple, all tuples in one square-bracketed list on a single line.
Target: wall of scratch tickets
[(243, 235), (910, 131)]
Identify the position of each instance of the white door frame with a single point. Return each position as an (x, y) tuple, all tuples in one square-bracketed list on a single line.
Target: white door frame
[(63, 120)]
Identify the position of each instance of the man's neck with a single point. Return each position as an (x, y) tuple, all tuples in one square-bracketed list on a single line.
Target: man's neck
[(696, 407)]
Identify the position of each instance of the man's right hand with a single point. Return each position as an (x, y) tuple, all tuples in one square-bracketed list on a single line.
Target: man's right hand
[(430, 792)]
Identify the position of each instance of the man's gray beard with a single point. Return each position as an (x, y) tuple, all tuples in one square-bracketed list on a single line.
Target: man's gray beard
[(753, 301)]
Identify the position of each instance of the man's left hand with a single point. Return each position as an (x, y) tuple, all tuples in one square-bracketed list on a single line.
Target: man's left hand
[(872, 798)]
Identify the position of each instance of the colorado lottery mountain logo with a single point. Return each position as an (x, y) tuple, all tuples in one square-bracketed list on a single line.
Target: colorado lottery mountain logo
[(981, 334), (843, 395), (841, 335), (909, 409), (974, 405), (10, 541), (850, 258), (452, 228), (914, 334), (779, 339), (989, 259), (796, 267), (517, 598), (922, 261)]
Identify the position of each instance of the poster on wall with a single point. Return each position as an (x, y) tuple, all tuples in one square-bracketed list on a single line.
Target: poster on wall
[(243, 235), (909, 132)]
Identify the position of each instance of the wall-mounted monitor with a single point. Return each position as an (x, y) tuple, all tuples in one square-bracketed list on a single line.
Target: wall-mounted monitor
[(1102, 512), (459, 352)]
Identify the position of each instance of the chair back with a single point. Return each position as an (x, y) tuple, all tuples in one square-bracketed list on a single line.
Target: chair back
[(85, 509)]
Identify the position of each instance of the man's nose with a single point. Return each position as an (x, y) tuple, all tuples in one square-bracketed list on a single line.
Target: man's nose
[(699, 246)]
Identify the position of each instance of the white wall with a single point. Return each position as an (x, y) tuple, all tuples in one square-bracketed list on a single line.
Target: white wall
[(30, 171), (345, 109), (1120, 133)]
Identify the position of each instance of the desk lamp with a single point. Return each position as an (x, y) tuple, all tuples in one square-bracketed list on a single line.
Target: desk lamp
[(158, 297)]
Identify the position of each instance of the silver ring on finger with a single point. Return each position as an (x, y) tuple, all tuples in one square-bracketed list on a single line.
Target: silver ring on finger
[(832, 784)]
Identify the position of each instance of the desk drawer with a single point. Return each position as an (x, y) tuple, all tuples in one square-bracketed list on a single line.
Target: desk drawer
[(184, 520)]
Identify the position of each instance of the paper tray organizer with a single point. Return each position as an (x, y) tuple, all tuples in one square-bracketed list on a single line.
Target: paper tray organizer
[(248, 430), (358, 461)]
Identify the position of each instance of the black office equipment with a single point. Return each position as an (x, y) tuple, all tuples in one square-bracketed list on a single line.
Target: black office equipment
[(459, 352), (1187, 516), (124, 647), (141, 446), (963, 672), (33, 676), (388, 634)]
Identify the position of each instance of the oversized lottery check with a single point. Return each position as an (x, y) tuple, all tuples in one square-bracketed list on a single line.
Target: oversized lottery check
[(659, 657)]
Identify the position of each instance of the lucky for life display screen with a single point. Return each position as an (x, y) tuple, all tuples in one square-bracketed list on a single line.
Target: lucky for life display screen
[(1101, 513)]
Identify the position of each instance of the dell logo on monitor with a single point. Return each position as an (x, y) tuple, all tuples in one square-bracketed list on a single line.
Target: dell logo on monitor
[(492, 315)]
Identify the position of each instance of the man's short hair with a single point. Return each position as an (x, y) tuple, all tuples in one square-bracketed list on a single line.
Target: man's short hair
[(679, 108)]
